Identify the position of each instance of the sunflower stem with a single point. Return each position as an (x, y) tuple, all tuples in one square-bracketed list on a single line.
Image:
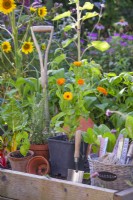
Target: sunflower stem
[(17, 57)]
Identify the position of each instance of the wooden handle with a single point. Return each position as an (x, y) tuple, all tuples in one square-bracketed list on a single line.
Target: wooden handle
[(42, 28), (77, 145)]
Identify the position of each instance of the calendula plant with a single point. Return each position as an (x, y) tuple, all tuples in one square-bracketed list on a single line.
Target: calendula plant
[(15, 41), (82, 78)]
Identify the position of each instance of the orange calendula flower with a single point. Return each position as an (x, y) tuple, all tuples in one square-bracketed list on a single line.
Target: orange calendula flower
[(81, 82), (60, 81), (77, 63), (102, 90), (68, 96)]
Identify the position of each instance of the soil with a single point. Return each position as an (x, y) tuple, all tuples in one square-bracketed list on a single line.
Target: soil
[(18, 155)]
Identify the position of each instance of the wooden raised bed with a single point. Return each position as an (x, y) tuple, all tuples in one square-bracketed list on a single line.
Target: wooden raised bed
[(23, 186)]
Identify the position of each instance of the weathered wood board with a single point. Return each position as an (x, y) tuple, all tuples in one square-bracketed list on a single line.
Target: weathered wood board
[(23, 186)]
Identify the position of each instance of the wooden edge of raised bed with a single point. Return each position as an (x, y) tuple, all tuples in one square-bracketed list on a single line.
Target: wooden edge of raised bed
[(23, 186)]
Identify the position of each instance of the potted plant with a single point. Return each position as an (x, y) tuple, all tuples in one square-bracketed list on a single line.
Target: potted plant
[(39, 127), (72, 89), (16, 137)]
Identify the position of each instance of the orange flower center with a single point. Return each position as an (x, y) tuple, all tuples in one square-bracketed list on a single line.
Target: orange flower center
[(26, 46)]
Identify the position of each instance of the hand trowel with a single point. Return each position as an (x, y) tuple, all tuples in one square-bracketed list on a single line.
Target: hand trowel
[(76, 175)]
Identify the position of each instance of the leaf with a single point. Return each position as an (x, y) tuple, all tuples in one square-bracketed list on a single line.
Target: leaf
[(101, 45), (69, 27), (73, 1), (111, 140), (59, 73), (102, 106), (89, 15), (59, 59), (65, 14), (57, 117), (87, 6), (65, 43), (115, 80), (129, 126)]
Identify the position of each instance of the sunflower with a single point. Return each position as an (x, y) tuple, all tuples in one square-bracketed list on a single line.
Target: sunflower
[(60, 81), (102, 90), (27, 47), (77, 63), (32, 9), (6, 46), (42, 12), (68, 96), (7, 6), (43, 46), (81, 82)]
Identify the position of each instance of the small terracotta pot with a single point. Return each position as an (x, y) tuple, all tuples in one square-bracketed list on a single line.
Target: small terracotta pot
[(40, 150), (38, 165), (19, 164)]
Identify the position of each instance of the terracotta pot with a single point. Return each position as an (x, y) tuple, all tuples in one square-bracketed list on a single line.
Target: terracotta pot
[(40, 150), (19, 164), (38, 165), (85, 124)]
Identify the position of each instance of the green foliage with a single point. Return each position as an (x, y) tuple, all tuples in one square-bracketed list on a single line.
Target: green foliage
[(38, 131), (92, 136)]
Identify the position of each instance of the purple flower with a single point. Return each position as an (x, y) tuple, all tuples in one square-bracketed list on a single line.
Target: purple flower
[(109, 113), (130, 37), (124, 36), (82, 41), (111, 51), (122, 43), (109, 39), (117, 34), (36, 4), (26, 2), (93, 36), (122, 22), (99, 26), (113, 131)]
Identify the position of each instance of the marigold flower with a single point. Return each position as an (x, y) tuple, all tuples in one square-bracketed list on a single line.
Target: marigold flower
[(81, 82), (6, 47), (102, 90), (60, 81), (7, 6), (32, 9), (68, 96), (27, 47), (42, 12), (77, 63)]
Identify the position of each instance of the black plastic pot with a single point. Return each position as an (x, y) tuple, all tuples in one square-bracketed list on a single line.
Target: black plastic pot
[(62, 155)]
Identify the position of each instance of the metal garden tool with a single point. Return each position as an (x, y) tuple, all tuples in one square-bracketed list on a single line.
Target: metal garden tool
[(76, 175)]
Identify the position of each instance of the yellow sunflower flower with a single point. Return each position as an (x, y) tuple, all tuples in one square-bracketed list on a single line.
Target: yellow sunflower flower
[(43, 46), (7, 6), (68, 96), (42, 12), (32, 9), (6, 47), (27, 47)]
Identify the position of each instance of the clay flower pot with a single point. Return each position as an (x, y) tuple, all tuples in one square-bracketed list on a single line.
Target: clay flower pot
[(40, 150), (19, 162), (38, 165)]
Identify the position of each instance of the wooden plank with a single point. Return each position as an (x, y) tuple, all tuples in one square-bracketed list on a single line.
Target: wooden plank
[(3, 198), (124, 195), (24, 186)]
